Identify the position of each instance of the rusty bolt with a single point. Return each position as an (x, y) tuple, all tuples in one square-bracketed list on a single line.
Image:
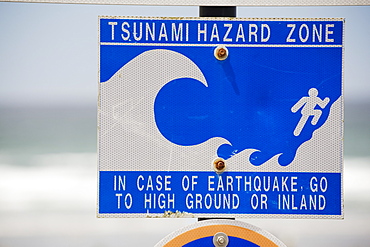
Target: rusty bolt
[(219, 165), (221, 53)]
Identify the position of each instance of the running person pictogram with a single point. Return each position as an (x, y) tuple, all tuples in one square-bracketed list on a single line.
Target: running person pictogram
[(308, 105)]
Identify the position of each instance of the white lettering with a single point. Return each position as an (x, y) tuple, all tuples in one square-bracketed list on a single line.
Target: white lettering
[(185, 183), (209, 204), (304, 39), (193, 182), (254, 201), (257, 183), (214, 34), (313, 184), (118, 200), (238, 178), (284, 184), (293, 183), (229, 183), (202, 31), (167, 183), (240, 33), (163, 33), (211, 182), (112, 24), (220, 184), (189, 201), (171, 201), (248, 183), (128, 201), (276, 184), (323, 184), (121, 183), (322, 202), (263, 28), (303, 203), (138, 37), (149, 31), (266, 185), (317, 33), (226, 39), (259, 202), (235, 201), (187, 31), (140, 188), (198, 201), (125, 31), (289, 39), (159, 183), (162, 201), (289, 201), (328, 32), (253, 28), (149, 184), (216, 201), (176, 34)]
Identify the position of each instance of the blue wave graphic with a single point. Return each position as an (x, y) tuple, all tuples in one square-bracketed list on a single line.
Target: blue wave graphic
[(249, 100)]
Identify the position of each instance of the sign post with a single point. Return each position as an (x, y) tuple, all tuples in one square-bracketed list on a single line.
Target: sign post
[(217, 11), (220, 117)]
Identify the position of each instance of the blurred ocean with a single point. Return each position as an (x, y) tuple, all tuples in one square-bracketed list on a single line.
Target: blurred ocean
[(48, 187)]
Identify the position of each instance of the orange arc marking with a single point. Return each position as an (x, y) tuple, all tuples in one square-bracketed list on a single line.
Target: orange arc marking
[(233, 231)]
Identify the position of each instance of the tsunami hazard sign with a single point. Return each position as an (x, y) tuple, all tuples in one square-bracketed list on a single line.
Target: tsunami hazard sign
[(220, 117)]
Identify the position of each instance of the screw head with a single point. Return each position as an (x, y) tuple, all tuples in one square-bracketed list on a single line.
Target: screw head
[(219, 165), (220, 239), (221, 53)]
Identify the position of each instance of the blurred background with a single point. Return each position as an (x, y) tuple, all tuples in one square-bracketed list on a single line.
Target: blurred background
[(48, 104)]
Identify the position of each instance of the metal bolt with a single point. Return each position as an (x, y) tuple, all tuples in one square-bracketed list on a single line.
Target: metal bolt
[(219, 165), (220, 239), (221, 53)]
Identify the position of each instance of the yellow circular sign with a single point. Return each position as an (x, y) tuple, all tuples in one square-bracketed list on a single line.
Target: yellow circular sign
[(235, 234)]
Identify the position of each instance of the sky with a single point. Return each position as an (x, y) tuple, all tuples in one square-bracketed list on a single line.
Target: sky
[(49, 52)]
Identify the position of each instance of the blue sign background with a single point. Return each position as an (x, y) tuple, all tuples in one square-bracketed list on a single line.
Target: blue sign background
[(229, 193), (279, 31), (247, 101)]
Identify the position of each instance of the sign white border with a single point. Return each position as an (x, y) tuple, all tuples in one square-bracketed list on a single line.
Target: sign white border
[(183, 214)]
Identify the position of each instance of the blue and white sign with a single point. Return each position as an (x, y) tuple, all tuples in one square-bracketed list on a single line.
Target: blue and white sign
[(262, 95)]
